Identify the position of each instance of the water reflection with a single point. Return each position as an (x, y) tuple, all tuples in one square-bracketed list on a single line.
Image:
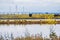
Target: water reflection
[(19, 30)]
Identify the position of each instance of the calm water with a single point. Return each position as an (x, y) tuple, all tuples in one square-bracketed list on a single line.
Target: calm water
[(19, 30)]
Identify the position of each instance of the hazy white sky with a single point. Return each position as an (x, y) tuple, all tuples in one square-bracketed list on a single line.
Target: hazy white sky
[(30, 5)]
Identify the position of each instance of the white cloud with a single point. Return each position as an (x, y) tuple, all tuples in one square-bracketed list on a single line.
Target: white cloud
[(36, 0), (32, 5), (24, 0), (6, 1)]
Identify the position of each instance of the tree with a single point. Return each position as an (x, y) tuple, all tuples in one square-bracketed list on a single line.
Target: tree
[(52, 35)]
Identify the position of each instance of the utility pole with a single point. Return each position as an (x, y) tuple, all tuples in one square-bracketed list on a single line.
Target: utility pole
[(23, 10), (16, 11), (9, 9)]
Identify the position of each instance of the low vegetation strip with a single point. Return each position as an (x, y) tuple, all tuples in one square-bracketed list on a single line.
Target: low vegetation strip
[(48, 21)]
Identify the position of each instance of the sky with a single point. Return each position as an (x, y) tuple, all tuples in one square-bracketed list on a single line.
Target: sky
[(51, 6)]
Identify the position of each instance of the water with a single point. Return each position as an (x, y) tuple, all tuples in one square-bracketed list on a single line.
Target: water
[(19, 30)]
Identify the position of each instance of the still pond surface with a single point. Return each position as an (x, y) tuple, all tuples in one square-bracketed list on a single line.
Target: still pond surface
[(33, 29)]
